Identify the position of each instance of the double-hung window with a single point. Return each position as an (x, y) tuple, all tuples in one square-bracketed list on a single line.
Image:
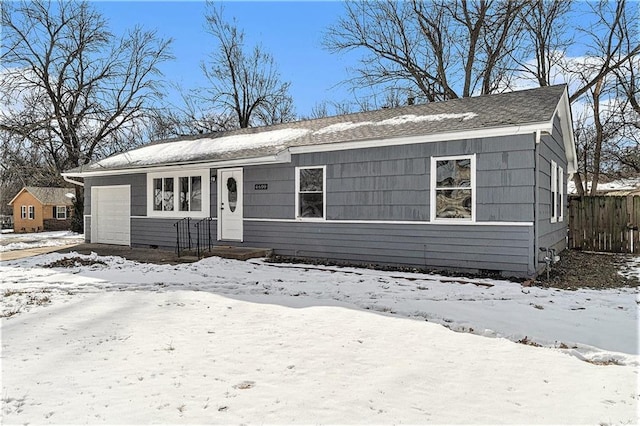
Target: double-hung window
[(190, 193), (178, 194), (61, 212), (557, 193), (23, 212), (32, 212), (310, 192), (453, 188)]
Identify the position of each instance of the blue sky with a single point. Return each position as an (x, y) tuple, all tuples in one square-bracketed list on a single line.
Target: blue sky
[(290, 31)]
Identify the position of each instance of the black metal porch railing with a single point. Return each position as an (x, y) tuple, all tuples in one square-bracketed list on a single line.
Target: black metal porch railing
[(203, 235), (183, 235)]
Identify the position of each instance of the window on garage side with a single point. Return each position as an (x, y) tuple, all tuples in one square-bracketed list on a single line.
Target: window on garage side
[(453, 188), (310, 192), (178, 193), (190, 193), (163, 194)]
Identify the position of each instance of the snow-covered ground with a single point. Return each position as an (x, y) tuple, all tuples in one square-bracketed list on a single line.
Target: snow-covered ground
[(12, 241), (223, 341)]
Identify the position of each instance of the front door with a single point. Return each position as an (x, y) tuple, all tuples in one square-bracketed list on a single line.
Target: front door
[(230, 204)]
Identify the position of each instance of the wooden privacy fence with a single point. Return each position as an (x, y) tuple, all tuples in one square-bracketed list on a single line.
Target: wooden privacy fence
[(602, 223)]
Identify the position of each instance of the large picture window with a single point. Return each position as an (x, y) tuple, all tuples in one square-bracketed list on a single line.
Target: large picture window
[(310, 192), (453, 188), (180, 194)]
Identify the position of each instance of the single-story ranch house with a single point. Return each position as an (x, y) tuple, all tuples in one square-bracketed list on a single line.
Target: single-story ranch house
[(471, 184)]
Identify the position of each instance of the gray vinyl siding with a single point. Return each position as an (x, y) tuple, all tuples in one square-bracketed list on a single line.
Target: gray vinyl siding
[(393, 183), (158, 232), (551, 234), (379, 184), (452, 247), (138, 184)]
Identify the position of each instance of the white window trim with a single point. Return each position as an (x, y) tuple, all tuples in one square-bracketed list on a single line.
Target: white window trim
[(176, 213), (432, 190), (23, 212), (324, 195), (64, 210), (554, 192), (560, 194), (32, 213)]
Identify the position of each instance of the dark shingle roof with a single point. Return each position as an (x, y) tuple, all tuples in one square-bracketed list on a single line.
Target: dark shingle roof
[(467, 114), (50, 196)]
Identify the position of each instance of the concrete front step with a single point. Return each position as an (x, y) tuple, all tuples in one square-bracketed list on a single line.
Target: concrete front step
[(227, 252)]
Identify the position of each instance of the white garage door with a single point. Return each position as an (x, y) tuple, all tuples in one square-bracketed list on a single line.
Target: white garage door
[(110, 211)]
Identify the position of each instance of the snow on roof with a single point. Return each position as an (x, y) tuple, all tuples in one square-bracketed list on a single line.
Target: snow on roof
[(189, 150), (186, 150), (629, 184), (395, 121), (535, 106)]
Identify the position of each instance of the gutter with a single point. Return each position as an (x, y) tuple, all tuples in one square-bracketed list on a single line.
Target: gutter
[(536, 201), (75, 182)]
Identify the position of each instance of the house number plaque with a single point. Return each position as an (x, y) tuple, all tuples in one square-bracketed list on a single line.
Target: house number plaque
[(261, 186)]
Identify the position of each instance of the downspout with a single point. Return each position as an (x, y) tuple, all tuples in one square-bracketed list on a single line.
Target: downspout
[(75, 182), (536, 199)]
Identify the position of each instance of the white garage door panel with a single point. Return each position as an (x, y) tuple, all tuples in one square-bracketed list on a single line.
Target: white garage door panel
[(110, 215)]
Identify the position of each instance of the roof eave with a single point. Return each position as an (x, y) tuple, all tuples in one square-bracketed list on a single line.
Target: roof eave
[(281, 157), (436, 137), (563, 110), (18, 194)]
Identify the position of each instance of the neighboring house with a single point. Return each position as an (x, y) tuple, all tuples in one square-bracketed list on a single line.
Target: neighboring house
[(38, 209), (615, 188), (620, 188), (468, 184)]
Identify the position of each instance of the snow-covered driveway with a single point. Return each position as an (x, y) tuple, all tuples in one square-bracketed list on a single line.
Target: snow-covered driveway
[(228, 341)]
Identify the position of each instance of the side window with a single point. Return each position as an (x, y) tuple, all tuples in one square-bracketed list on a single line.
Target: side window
[(310, 192), (560, 194), (23, 212), (32, 212), (557, 193), (453, 188)]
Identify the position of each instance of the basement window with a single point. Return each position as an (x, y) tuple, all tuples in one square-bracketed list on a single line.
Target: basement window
[(310, 192), (453, 188)]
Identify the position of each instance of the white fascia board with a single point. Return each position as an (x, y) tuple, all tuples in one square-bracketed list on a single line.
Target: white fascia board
[(436, 137), (563, 110), (282, 157)]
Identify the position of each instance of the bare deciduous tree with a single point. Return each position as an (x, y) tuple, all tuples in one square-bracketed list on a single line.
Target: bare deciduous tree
[(75, 92), (245, 83), (442, 49), (446, 49)]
